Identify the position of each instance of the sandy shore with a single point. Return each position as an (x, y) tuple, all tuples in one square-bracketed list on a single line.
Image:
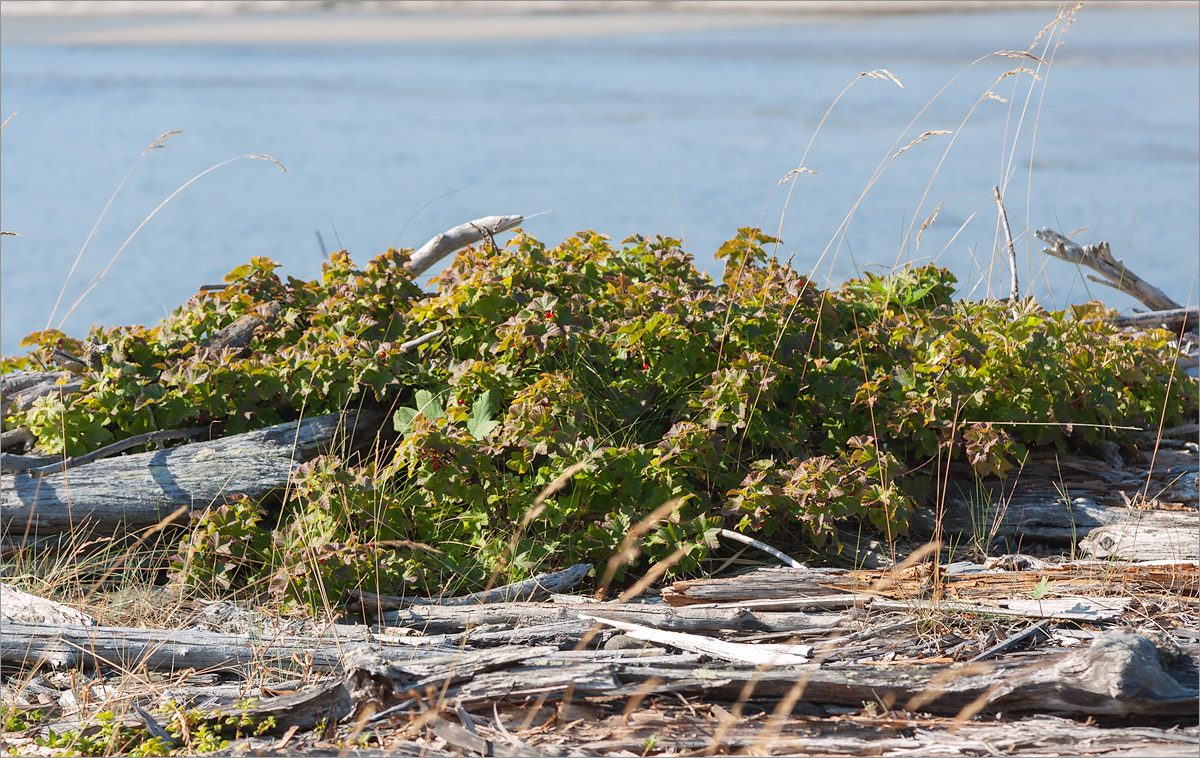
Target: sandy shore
[(116, 22)]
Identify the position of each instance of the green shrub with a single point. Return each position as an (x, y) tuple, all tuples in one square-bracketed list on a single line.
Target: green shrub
[(761, 402)]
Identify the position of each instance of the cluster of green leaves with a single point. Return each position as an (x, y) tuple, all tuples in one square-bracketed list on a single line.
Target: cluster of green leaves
[(327, 345), (759, 402)]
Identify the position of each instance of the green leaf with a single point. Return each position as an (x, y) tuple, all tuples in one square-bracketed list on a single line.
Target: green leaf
[(481, 424)]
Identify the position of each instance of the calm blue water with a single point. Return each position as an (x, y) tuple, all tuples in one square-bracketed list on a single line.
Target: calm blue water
[(685, 134)]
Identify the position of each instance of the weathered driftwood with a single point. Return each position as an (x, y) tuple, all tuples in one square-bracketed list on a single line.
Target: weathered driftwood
[(738, 652), (141, 490), (236, 336), (19, 440), (16, 605), (103, 648), (460, 236), (1147, 536), (328, 701), (536, 588), (1099, 258), (1174, 320), (778, 586), (712, 730), (436, 618), (119, 446), (20, 389), (11, 463), (1118, 675)]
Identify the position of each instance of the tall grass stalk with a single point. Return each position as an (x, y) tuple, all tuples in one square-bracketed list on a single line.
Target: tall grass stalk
[(96, 281)]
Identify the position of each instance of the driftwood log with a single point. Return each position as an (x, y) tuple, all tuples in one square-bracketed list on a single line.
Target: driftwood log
[(142, 490), (20, 389), (1119, 675), (106, 648)]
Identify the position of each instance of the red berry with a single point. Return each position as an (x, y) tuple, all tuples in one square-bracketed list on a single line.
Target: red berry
[(645, 366), (549, 314)]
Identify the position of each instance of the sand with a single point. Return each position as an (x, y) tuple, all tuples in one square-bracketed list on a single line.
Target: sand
[(232, 22)]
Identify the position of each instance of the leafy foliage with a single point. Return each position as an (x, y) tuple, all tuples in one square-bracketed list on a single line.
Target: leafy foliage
[(761, 402)]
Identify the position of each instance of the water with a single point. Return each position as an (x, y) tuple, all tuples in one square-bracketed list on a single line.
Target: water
[(682, 133)]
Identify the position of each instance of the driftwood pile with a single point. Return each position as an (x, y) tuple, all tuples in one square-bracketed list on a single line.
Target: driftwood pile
[(822, 661), (1081, 639)]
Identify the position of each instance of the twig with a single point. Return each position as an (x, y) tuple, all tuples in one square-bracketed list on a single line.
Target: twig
[(415, 343), (1014, 292), (739, 537), (117, 447)]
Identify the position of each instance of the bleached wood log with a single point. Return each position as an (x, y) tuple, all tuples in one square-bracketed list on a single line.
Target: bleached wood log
[(141, 490), (20, 388), (105, 648), (1175, 320), (781, 587), (887, 736), (437, 618), (1119, 675), (459, 237), (1099, 259), (1147, 536), (17, 605)]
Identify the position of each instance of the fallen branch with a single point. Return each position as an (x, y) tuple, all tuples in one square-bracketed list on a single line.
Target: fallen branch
[(460, 236), (1099, 258)]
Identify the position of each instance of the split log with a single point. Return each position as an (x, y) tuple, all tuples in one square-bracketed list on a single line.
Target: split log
[(1099, 258), (155, 485), (460, 236)]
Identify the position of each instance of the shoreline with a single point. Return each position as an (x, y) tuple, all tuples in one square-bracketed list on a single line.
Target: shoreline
[(155, 22)]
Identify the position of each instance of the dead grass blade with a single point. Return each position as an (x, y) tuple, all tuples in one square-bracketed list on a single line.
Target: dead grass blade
[(146, 220)]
